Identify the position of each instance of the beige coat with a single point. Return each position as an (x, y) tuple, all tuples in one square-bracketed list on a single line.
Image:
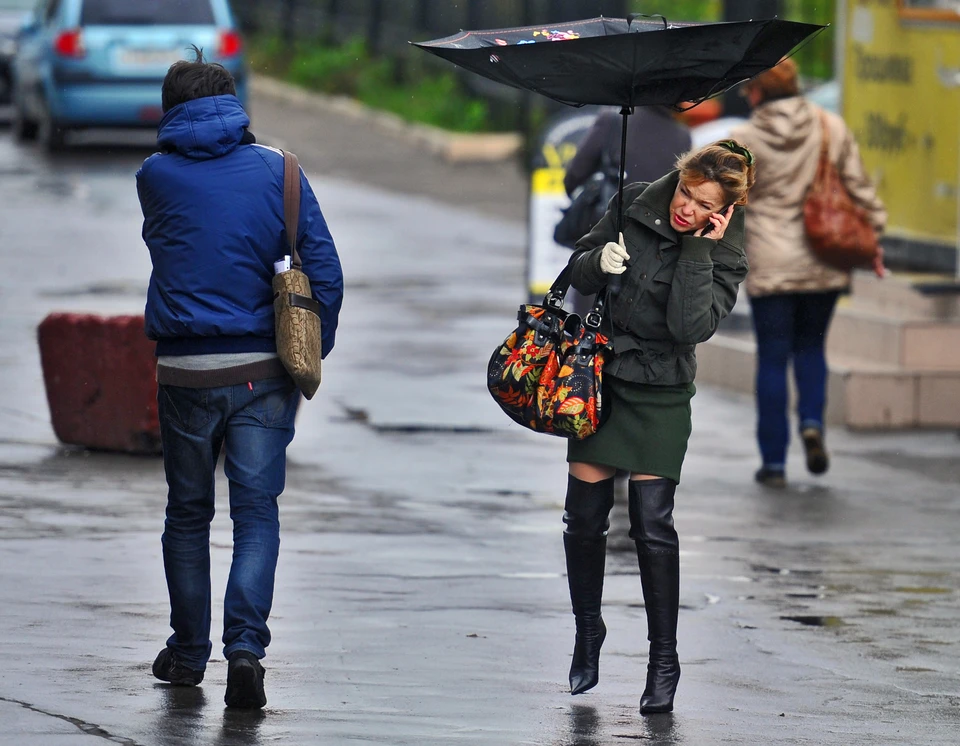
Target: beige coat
[(785, 136)]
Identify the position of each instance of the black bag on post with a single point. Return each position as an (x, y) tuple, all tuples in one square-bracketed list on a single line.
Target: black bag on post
[(588, 206)]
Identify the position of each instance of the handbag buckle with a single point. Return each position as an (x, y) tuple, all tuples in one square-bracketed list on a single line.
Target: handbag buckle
[(593, 319), (554, 301)]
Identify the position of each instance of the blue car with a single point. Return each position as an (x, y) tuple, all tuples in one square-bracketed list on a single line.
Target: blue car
[(12, 13), (101, 63)]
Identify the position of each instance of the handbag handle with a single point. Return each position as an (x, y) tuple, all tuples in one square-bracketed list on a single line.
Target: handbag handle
[(291, 202), (558, 291)]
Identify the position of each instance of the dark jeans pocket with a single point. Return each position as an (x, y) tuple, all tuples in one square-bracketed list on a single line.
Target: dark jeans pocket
[(184, 407), (276, 402)]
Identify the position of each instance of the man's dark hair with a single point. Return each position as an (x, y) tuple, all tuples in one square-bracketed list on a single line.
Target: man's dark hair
[(186, 81)]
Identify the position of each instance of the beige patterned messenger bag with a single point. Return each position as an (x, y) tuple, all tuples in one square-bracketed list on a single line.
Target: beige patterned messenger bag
[(296, 312)]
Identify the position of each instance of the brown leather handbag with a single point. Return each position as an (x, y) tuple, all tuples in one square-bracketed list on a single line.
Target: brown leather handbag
[(839, 230), (296, 313)]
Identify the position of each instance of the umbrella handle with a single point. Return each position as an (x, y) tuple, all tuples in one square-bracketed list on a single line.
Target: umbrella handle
[(613, 284)]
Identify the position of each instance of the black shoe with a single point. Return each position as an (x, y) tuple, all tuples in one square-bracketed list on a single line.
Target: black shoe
[(771, 478), (245, 682), (658, 556), (662, 678), (586, 515), (817, 459), (585, 668), (167, 668)]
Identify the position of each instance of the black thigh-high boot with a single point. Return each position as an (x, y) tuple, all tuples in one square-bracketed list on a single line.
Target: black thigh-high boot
[(587, 511), (658, 553)]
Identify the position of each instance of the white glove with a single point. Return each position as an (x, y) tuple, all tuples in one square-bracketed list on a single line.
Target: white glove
[(612, 258)]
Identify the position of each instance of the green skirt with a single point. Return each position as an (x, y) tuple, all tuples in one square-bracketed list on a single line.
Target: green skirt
[(645, 432)]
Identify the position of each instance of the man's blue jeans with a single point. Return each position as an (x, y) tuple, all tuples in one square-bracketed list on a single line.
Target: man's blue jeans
[(253, 423), (790, 326)]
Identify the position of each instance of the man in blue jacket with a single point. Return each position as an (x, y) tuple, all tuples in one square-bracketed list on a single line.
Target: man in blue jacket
[(213, 220)]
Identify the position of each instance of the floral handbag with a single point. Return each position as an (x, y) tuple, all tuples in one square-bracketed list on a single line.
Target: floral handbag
[(547, 374)]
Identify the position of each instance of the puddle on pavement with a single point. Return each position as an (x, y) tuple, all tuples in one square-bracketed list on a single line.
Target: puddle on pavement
[(63, 189), (417, 429), (784, 571), (813, 620), (351, 414), (500, 493), (882, 611), (945, 469), (119, 288)]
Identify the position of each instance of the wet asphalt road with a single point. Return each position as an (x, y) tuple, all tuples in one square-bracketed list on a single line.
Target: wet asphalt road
[(420, 595)]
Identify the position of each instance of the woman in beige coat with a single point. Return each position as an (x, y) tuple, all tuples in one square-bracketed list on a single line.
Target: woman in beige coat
[(792, 293)]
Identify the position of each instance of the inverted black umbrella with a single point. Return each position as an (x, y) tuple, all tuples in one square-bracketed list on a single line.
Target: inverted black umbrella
[(624, 62)]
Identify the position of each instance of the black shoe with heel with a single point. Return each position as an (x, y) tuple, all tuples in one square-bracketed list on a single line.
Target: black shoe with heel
[(660, 577), (587, 509), (658, 556)]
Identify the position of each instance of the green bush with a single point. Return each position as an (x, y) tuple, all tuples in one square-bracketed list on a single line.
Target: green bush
[(334, 70), (421, 95)]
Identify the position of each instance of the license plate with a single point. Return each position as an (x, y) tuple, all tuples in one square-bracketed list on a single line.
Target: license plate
[(149, 57)]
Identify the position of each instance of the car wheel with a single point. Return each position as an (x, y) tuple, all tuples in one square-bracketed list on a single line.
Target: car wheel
[(51, 134), (24, 129)]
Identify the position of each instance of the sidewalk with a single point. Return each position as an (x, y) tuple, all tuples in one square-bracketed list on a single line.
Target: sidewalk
[(361, 146), (420, 597)]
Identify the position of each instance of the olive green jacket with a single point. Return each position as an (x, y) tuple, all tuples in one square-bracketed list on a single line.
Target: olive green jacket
[(676, 288)]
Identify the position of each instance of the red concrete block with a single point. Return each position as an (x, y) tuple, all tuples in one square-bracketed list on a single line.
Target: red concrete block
[(100, 376)]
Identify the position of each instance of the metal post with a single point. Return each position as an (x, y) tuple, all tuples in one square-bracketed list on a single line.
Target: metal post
[(474, 14), (421, 18), (333, 11), (613, 8), (373, 29), (525, 106), (288, 21), (331, 21)]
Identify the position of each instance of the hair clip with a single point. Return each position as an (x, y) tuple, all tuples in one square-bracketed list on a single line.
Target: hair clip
[(738, 149)]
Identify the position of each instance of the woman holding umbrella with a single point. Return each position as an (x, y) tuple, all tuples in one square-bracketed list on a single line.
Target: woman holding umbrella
[(680, 260)]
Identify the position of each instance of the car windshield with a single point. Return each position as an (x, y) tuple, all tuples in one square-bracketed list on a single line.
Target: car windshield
[(17, 4), (145, 12)]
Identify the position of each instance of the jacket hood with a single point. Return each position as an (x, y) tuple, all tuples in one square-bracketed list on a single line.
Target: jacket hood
[(204, 128), (785, 123)]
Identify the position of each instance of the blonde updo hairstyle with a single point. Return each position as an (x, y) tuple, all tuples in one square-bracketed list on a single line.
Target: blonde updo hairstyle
[(727, 163)]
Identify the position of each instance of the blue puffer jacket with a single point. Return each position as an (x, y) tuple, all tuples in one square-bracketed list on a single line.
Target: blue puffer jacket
[(213, 222)]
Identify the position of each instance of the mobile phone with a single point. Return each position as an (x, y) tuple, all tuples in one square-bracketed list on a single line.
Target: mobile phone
[(710, 226)]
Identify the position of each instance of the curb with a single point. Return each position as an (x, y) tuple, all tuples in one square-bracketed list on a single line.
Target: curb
[(450, 146)]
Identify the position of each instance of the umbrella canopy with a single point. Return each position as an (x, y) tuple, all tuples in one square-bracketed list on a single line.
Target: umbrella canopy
[(624, 62)]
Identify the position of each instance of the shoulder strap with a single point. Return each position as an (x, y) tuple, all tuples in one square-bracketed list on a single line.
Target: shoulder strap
[(291, 202), (824, 160)]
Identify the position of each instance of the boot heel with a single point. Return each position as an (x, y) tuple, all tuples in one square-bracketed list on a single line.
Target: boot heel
[(662, 679), (585, 668)]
